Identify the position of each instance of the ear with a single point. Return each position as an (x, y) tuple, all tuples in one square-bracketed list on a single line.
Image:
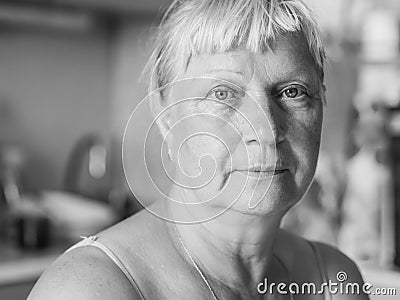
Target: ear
[(162, 116)]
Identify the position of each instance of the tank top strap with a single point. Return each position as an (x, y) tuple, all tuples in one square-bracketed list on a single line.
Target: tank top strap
[(321, 268), (92, 241)]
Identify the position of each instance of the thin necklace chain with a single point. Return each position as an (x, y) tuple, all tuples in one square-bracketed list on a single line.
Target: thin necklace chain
[(195, 264), (202, 274)]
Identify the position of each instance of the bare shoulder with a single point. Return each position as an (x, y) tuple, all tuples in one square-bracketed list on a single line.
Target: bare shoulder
[(341, 267), (334, 261), (83, 273), (88, 273)]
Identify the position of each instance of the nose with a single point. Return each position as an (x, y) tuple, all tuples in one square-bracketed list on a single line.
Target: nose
[(265, 124)]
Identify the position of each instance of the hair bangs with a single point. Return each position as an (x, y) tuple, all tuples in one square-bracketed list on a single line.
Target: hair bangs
[(194, 27), (220, 26)]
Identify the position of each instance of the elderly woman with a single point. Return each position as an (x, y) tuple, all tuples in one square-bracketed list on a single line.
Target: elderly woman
[(238, 98)]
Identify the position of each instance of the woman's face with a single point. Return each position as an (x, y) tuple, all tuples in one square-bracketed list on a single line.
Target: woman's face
[(244, 128)]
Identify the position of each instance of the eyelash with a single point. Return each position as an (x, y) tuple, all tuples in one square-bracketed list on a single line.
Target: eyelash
[(301, 90), (232, 94)]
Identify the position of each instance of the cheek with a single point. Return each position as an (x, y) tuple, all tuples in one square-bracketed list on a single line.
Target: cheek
[(305, 139), (205, 142)]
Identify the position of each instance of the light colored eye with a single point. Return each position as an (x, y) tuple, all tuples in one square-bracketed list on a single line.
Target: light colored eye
[(225, 93), (293, 92), (221, 94)]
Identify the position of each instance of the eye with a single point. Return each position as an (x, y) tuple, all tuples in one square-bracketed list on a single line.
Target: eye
[(294, 92), (223, 93)]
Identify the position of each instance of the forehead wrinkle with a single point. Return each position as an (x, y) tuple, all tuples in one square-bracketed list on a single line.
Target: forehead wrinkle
[(290, 61), (235, 62), (306, 73), (266, 72), (298, 73)]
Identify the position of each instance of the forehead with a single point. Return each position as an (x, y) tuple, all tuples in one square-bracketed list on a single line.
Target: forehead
[(288, 57)]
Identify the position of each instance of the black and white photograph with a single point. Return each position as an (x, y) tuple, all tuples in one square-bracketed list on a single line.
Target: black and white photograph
[(199, 149)]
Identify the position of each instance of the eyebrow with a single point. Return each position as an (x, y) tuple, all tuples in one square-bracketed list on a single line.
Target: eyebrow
[(225, 71), (301, 74)]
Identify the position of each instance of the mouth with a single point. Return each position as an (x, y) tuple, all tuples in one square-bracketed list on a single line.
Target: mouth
[(262, 173)]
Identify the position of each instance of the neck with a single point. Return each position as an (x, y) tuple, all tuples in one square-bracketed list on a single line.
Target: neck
[(234, 248)]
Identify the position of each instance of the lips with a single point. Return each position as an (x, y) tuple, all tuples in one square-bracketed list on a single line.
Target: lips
[(263, 172)]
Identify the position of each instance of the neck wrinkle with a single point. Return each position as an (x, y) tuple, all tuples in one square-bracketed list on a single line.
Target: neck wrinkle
[(235, 254)]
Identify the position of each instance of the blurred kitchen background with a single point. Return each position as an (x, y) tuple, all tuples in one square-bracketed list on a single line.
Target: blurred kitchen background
[(70, 76)]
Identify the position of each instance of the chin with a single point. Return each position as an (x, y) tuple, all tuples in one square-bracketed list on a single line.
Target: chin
[(275, 202), (265, 197)]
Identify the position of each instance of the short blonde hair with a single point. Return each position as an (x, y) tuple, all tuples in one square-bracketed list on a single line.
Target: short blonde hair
[(193, 27)]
